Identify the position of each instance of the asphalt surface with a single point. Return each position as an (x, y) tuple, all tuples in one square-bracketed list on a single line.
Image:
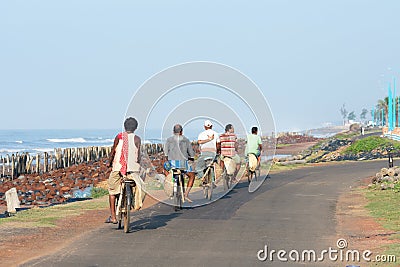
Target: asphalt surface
[(293, 210)]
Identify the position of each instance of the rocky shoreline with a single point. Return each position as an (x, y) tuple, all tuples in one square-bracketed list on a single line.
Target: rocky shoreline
[(56, 186)]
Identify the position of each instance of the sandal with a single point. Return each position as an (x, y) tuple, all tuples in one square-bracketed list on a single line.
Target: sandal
[(188, 200), (111, 221)]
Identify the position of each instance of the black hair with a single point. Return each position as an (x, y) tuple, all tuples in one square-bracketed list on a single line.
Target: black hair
[(228, 127), (130, 124), (254, 130), (177, 128)]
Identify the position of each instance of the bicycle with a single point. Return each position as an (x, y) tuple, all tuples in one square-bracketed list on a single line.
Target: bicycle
[(125, 203), (227, 174), (209, 176), (252, 173), (179, 188)]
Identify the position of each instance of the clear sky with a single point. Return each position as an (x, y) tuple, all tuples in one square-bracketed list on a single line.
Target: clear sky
[(76, 64)]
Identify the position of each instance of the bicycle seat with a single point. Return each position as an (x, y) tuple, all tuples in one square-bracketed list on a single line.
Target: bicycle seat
[(132, 182)]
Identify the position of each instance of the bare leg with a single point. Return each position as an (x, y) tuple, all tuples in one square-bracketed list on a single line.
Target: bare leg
[(189, 185), (111, 199)]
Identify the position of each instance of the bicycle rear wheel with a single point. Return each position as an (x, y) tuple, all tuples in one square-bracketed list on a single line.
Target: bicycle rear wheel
[(127, 206), (119, 217), (210, 183), (176, 192), (118, 210), (226, 179)]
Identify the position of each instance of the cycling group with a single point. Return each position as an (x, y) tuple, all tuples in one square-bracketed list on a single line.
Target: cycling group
[(214, 149), (124, 182)]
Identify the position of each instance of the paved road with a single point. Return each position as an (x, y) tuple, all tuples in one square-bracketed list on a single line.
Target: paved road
[(291, 210)]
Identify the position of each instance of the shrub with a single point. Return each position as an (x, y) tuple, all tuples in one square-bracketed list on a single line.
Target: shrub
[(372, 143), (99, 192)]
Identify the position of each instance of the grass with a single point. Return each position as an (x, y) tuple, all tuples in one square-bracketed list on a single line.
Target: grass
[(99, 192), (371, 143), (345, 135), (283, 145), (384, 206), (47, 217), (277, 168)]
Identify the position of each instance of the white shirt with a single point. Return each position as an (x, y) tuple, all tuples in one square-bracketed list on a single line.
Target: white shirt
[(132, 165), (210, 146)]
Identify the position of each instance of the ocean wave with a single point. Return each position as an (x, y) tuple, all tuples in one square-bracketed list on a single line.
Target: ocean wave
[(43, 149), (67, 140), (101, 141), (19, 142), (10, 150)]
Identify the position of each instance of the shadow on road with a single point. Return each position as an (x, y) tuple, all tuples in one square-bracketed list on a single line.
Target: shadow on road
[(152, 222)]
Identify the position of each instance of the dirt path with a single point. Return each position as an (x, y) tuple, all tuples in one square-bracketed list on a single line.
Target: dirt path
[(294, 149), (354, 223), (18, 245)]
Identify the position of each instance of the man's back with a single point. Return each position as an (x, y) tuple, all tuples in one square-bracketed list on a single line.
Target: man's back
[(253, 142), (228, 144), (178, 147), (210, 146)]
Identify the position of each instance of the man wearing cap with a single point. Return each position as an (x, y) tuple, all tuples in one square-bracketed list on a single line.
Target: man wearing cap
[(178, 149), (209, 144)]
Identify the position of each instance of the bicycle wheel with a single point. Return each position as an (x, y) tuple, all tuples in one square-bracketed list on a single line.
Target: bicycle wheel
[(206, 183), (210, 182), (127, 206), (225, 179), (119, 217), (176, 192), (257, 174), (180, 196), (205, 191)]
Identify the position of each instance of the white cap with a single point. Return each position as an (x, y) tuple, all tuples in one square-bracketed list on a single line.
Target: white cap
[(208, 123)]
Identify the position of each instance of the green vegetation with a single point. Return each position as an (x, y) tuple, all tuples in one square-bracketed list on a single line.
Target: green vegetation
[(99, 192), (282, 145), (383, 205), (278, 168), (371, 143), (347, 135)]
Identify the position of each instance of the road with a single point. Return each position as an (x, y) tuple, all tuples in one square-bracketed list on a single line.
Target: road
[(292, 210)]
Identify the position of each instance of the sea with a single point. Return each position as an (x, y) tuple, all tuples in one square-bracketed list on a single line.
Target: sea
[(39, 141)]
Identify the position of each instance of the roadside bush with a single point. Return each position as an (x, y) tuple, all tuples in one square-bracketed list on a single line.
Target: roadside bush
[(371, 143), (99, 192)]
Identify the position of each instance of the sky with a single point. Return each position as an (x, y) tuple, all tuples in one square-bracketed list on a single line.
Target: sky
[(77, 64)]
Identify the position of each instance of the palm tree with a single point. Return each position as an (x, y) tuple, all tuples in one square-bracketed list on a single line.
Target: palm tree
[(383, 104)]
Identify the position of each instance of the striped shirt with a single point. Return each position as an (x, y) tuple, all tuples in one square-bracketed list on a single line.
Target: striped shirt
[(228, 142)]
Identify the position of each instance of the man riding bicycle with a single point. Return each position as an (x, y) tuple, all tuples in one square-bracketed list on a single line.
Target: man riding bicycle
[(125, 163), (229, 147), (209, 145), (178, 150), (254, 144)]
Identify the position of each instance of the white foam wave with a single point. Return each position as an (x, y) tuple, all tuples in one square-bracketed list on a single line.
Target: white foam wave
[(67, 140), (19, 142), (10, 150), (43, 149), (101, 141)]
